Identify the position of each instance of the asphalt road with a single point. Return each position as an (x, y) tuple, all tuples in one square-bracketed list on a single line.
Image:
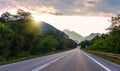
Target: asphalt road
[(72, 60)]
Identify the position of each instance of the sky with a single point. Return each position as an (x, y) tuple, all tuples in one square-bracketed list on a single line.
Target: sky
[(81, 16)]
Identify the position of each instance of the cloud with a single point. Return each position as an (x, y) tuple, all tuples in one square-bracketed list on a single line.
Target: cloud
[(65, 7), (91, 2), (77, 2), (100, 14), (13, 5), (43, 9), (77, 10), (106, 14)]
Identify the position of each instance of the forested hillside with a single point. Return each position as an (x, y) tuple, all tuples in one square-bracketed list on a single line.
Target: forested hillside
[(20, 37)]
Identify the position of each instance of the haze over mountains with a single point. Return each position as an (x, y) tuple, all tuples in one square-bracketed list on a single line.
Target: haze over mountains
[(68, 34), (78, 38), (92, 36), (74, 36)]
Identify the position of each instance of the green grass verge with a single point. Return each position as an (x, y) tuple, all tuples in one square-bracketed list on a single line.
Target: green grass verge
[(112, 59), (29, 57)]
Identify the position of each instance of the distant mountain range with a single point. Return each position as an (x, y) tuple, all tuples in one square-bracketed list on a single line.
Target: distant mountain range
[(92, 36), (78, 38), (44, 27), (74, 36)]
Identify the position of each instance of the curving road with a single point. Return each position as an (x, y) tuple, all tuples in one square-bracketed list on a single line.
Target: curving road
[(72, 60)]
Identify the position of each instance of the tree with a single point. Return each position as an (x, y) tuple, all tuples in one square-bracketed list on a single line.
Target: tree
[(115, 22), (84, 44), (49, 44), (23, 14), (5, 17), (108, 42), (19, 36), (6, 36)]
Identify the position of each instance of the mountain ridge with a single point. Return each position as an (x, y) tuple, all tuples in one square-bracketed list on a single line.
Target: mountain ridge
[(92, 36), (74, 36), (45, 27)]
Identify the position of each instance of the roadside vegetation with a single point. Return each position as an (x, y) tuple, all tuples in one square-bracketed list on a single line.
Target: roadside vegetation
[(20, 38), (106, 42), (109, 56)]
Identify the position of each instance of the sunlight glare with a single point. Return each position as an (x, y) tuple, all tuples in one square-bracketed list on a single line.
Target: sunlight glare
[(83, 25), (36, 18)]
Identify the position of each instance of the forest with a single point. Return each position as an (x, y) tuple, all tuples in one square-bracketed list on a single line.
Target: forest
[(20, 37)]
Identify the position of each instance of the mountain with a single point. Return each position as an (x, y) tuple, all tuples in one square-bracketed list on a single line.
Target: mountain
[(44, 27), (92, 36), (74, 36)]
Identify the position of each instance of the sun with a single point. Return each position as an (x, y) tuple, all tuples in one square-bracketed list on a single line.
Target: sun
[(42, 17), (37, 18)]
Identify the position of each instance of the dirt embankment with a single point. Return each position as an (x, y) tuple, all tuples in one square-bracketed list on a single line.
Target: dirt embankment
[(106, 53)]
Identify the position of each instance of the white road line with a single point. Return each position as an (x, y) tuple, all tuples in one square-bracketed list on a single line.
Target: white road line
[(107, 69), (47, 64)]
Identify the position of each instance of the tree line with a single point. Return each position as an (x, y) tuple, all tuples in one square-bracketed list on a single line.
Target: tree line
[(20, 37), (109, 42)]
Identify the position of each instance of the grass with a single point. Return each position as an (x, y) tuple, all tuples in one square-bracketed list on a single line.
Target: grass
[(28, 57), (112, 59)]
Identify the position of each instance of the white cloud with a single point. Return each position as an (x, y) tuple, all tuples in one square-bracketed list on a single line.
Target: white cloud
[(45, 9), (77, 10), (90, 13), (106, 14)]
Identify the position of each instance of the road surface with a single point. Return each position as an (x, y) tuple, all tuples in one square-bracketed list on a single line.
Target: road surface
[(72, 60)]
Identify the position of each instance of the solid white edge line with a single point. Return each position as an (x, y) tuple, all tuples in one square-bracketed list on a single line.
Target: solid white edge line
[(96, 62), (47, 64)]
